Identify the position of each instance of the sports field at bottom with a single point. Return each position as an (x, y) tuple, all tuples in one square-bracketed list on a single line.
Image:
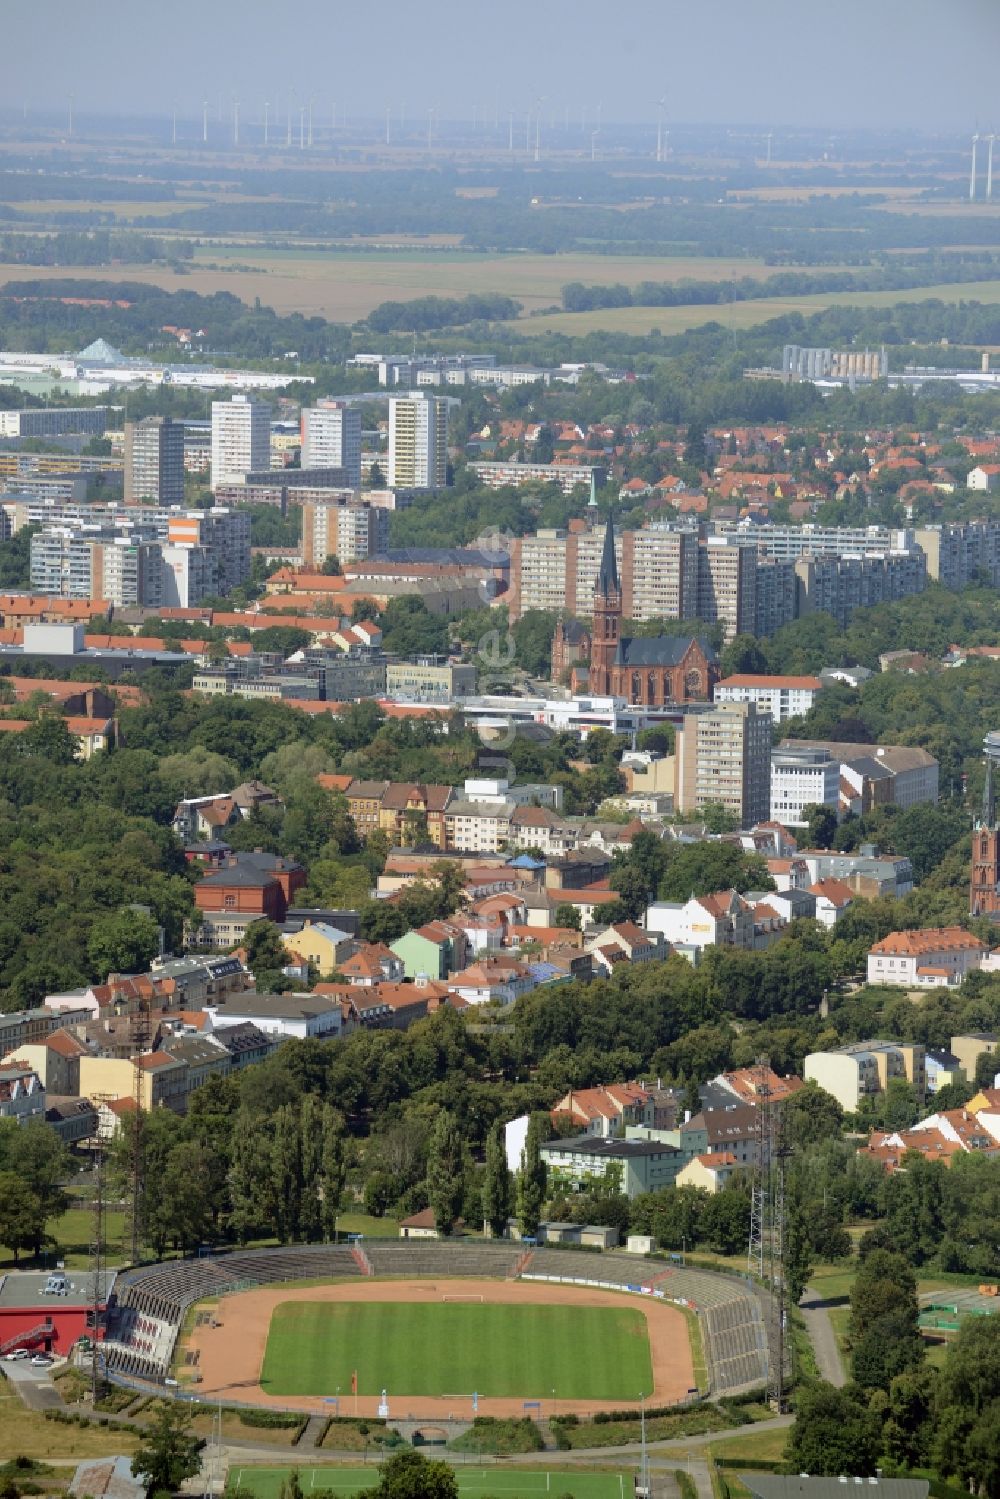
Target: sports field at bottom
[(457, 1348), (473, 1483)]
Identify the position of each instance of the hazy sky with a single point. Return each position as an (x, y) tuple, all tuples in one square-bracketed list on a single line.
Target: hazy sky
[(930, 63)]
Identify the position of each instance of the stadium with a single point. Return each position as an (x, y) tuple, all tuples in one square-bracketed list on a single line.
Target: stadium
[(434, 1329)]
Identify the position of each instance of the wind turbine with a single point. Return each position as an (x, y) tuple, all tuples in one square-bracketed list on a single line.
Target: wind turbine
[(204, 121), (267, 120), (989, 168), (510, 130), (302, 127), (309, 138), (236, 121), (538, 129), (661, 105), (70, 132), (288, 119), (769, 138), (173, 126), (593, 144), (388, 113), (972, 174)]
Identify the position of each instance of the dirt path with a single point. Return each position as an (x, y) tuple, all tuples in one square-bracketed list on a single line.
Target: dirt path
[(231, 1355), (823, 1338)]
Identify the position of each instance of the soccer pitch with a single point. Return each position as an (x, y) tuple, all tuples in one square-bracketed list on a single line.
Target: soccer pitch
[(473, 1483), (457, 1348)]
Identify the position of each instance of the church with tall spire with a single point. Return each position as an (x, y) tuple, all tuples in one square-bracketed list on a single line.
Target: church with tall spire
[(984, 893), (645, 670)]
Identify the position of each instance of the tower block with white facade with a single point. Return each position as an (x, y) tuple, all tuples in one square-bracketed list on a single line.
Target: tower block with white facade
[(241, 439)]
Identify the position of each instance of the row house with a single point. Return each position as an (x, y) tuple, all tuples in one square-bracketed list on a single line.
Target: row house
[(607, 1110), (621, 943), (22, 1093), (492, 980), (934, 958)]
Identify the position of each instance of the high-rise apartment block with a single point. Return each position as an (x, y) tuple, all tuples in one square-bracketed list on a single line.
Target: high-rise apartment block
[(724, 757), (418, 442), (344, 529), (154, 461), (151, 557), (727, 586), (331, 438), (241, 439)]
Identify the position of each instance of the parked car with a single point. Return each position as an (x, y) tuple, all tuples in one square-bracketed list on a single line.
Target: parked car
[(18, 1353), (42, 1361)]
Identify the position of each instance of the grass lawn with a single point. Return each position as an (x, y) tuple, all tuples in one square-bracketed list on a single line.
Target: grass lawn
[(72, 1231), (585, 1353), (28, 1432), (755, 1446), (473, 1482)]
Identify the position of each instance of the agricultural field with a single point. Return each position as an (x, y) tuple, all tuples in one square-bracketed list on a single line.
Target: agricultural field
[(736, 315), (344, 285), (524, 1352)]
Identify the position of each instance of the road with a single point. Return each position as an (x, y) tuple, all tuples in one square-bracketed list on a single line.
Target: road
[(822, 1337)]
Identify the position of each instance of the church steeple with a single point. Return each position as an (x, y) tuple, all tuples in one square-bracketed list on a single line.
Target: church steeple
[(606, 635), (607, 578)]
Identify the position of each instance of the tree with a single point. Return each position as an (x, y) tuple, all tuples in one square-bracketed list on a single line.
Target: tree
[(22, 1222), (264, 948), (531, 1178), (967, 1414), (170, 1453), (332, 1168), (124, 942), (811, 1115), (410, 1475), (884, 1330), (445, 1173), (821, 824), (834, 1433), (49, 738), (567, 916), (496, 1183), (798, 1249)]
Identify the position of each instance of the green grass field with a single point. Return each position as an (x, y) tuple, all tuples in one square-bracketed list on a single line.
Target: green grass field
[(456, 1348), (473, 1483)]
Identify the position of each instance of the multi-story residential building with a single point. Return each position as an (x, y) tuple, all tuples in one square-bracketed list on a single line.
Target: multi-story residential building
[(838, 585), (154, 461), (501, 475), (727, 586), (429, 679), (724, 756), (188, 575), (331, 437), (346, 529), (800, 778), (557, 570), (864, 1068), (241, 438), (957, 553), (22, 1093), (776, 594), (724, 919), (418, 442), (783, 697), (629, 1166), (934, 958), (479, 827), (659, 573), (787, 543), (124, 568)]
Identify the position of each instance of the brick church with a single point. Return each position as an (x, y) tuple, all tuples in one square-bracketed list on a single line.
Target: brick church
[(984, 894), (647, 671)]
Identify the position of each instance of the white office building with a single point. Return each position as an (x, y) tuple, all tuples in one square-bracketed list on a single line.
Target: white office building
[(782, 697), (418, 442), (331, 438), (800, 778), (241, 439)]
